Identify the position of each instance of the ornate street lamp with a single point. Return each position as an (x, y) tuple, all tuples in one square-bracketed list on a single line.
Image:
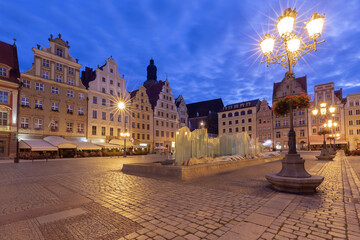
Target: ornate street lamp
[(122, 107), (324, 112), (293, 176)]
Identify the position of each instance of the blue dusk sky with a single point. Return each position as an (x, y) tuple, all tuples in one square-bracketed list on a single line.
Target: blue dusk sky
[(208, 49)]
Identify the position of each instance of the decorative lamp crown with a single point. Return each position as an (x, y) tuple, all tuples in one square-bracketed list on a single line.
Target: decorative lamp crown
[(267, 44)]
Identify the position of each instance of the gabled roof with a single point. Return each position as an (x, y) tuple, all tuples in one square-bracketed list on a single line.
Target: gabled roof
[(133, 93), (87, 76), (153, 91), (300, 80), (240, 105), (8, 56), (203, 108)]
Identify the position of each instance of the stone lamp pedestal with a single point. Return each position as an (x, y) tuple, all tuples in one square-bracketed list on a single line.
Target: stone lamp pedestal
[(293, 177), (324, 154)]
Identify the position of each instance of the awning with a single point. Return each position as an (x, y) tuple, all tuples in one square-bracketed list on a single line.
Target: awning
[(59, 142), (328, 142), (86, 146), (121, 142), (37, 145), (107, 145)]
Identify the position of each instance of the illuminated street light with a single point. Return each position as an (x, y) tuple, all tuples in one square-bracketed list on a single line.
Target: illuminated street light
[(122, 107), (290, 50)]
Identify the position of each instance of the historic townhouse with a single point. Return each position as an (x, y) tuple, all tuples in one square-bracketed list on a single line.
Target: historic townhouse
[(281, 124), (206, 113), (106, 88), (239, 117), (53, 101), (142, 119), (166, 119), (264, 124), (9, 84), (352, 121), (325, 93), (182, 111)]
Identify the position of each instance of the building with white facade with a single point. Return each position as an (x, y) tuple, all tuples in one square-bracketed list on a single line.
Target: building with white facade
[(106, 87)]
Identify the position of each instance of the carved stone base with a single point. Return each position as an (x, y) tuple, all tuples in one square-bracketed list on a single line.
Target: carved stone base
[(295, 185), (324, 155)]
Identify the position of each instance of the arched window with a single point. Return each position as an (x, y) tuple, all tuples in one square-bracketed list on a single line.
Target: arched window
[(236, 114), (242, 112), (230, 115), (224, 115), (249, 112)]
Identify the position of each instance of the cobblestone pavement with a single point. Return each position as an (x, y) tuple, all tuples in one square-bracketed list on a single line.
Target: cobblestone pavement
[(93, 199)]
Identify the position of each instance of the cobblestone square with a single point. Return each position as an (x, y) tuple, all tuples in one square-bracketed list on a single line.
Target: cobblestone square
[(93, 199)]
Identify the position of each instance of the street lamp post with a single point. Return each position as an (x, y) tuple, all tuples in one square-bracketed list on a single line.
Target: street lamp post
[(324, 112), (293, 176), (125, 134)]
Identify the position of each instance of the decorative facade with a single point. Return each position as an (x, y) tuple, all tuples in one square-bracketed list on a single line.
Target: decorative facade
[(166, 119), (239, 117), (325, 93), (205, 112), (264, 124), (53, 101), (281, 124), (9, 85), (106, 87), (182, 111), (142, 119), (352, 121)]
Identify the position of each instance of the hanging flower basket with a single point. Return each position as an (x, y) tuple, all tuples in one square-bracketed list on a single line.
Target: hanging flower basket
[(282, 106), (324, 132)]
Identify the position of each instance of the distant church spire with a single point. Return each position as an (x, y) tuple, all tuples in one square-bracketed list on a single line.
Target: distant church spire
[(151, 74)]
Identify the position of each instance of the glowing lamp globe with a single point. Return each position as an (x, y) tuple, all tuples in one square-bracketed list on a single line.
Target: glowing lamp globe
[(267, 44), (121, 105), (315, 25), (331, 109), (293, 44), (285, 24), (315, 112), (335, 124)]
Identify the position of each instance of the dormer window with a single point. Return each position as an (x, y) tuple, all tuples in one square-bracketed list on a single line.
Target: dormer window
[(3, 71), (59, 52)]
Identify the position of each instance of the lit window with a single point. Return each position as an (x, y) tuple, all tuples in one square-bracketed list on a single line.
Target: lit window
[(69, 109), (93, 130), (38, 104), (80, 128), (3, 118), (38, 124), (69, 127), (103, 131), (24, 123)]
